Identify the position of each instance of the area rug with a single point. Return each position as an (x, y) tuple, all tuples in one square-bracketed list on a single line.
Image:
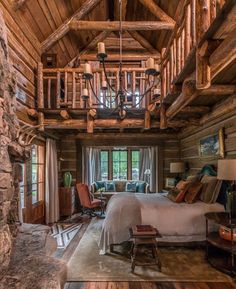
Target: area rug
[(64, 233), (178, 264)]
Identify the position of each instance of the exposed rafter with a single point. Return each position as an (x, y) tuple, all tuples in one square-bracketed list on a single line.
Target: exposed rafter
[(101, 36), (115, 25), (143, 41), (157, 11), (64, 28), (127, 56)]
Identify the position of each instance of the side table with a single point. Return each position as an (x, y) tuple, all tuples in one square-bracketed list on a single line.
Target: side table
[(220, 253), (147, 240)]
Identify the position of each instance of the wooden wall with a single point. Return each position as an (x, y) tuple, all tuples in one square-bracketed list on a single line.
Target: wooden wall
[(70, 151), (24, 52), (190, 142)]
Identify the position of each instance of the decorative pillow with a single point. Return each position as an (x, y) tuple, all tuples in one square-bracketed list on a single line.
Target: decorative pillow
[(110, 187), (210, 189), (193, 192), (176, 195), (140, 187), (130, 187), (99, 185), (193, 178)]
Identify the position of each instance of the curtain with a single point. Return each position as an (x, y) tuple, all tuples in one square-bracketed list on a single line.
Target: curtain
[(149, 160), (51, 182), (91, 161)]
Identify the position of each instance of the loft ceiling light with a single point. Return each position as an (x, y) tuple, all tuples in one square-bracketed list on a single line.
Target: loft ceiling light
[(118, 103)]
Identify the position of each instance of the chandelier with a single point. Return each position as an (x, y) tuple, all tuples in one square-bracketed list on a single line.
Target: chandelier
[(152, 73)]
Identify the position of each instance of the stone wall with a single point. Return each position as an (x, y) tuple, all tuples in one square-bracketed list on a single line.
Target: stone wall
[(11, 152)]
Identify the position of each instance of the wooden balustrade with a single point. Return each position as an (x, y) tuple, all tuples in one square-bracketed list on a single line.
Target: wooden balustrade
[(61, 88), (197, 16)]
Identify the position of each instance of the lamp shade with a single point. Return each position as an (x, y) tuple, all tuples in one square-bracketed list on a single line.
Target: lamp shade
[(178, 167), (227, 169)]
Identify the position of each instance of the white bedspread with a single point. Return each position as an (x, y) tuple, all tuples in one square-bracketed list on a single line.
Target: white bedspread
[(176, 222)]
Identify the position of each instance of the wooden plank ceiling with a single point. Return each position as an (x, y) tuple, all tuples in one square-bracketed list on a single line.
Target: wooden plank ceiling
[(45, 16)]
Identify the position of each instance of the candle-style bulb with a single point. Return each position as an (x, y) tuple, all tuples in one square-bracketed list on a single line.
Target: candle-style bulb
[(150, 66), (88, 71), (101, 51)]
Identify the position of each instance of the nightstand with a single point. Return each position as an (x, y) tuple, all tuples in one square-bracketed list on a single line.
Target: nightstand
[(67, 201), (220, 253)]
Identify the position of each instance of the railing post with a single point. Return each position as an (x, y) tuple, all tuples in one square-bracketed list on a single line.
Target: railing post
[(40, 95)]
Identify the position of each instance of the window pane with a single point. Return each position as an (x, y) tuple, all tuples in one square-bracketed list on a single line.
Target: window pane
[(119, 165), (34, 154), (104, 165), (135, 165), (34, 197)]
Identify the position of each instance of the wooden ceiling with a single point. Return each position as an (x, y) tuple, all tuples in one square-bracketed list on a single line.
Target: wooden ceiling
[(45, 16)]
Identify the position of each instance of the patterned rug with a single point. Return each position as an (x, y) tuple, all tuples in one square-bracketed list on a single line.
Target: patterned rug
[(64, 233), (178, 264)]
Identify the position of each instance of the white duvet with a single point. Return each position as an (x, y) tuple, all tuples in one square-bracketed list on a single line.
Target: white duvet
[(176, 222)]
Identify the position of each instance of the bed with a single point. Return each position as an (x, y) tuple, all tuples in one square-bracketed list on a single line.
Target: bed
[(177, 222)]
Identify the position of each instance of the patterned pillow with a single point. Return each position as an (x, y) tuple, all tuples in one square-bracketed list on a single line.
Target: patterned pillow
[(110, 187), (178, 193), (130, 187), (210, 191), (193, 192), (140, 187), (99, 185)]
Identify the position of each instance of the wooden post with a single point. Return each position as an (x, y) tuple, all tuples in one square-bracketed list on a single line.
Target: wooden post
[(66, 80), (49, 93), (212, 10), (187, 40), (90, 123), (175, 58), (58, 89), (203, 17), (203, 71), (73, 90), (147, 120), (40, 94), (163, 119), (193, 22), (133, 86)]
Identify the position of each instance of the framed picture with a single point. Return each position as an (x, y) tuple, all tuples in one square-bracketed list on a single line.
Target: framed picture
[(170, 183), (212, 145)]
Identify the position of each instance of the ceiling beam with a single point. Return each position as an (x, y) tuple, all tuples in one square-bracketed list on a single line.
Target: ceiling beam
[(126, 56), (195, 109), (64, 28), (115, 25), (99, 38), (143, 41), (18, 4), (157, 11)]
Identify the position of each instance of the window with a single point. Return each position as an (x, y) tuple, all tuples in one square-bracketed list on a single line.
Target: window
[(33, 176), (119, 164), (135, 164), (104, 165)]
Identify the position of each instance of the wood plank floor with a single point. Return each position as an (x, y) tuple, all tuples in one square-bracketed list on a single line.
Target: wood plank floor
[(149, 285)]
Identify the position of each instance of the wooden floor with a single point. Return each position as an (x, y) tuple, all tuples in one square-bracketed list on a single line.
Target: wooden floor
[(148, 285)]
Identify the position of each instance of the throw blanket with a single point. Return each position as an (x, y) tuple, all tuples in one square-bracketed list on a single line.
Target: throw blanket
[(177, 222)]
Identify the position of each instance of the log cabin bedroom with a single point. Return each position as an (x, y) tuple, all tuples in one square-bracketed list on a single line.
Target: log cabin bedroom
[(117, 144)]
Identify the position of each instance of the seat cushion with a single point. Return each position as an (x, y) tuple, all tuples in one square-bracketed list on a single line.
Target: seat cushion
[(95, 203)]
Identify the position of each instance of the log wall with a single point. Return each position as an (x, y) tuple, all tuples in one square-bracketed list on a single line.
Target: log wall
[(24, 52), (190, 142), (70, 152)]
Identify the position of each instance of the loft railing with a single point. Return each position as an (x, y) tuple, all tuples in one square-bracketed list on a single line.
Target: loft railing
[(62, 88), (197, 16)]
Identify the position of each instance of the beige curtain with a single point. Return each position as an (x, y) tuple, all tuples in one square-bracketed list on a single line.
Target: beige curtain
[(51, 183)]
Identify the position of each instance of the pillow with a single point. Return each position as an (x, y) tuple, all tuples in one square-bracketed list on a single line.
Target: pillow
[(99, 185), (193, 178), (110, 187), (193, 192), (140, 187), (130, 187), (176, 195), (210, 190)]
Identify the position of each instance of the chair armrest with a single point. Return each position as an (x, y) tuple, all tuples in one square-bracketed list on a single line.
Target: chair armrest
[(93, 188)]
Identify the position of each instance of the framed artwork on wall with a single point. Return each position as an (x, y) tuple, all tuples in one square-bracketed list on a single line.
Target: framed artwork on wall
[(212, 145)]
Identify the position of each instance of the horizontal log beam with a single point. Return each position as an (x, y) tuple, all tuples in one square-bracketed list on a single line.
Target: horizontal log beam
[(115, 25), (219, 90), (112, 123), (195, 109), (125, 56)]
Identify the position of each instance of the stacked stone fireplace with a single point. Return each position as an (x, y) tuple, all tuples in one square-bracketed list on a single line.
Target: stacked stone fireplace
[(11, 152)]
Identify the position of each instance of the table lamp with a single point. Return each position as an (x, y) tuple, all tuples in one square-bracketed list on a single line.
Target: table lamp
[(227, 172), (147, 173), (178, 167)]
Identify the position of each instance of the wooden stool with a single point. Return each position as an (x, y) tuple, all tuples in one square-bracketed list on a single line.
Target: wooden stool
[(147, 240)]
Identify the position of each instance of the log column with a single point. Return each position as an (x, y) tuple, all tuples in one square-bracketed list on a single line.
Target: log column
[(40, 95)]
